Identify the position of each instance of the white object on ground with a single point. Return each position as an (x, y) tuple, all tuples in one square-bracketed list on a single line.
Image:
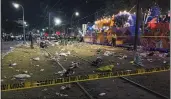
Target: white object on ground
[(63, 87), (102, 94), (26, 71), (37, 65), (57, 93), (45, 89), (56, 54), (57, 43), (164, 62), (107, 53), (14, 64), (124, 56), (120, 58), (65, 95), (13, 78), (5, 77), (63, 54), (36, 59), (143, 54), (42, 69), (61, 72), (21, 76), (68, 53), (150, 60), (161, 55), (17, 70), (46, 54), (62, 49)]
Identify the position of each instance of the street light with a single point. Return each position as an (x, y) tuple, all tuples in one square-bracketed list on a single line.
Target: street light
[(76, 14), (16, 5), (43, 29), (57, 21)]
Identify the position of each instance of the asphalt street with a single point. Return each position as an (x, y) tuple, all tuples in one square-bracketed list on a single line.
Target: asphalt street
[(6, 46)]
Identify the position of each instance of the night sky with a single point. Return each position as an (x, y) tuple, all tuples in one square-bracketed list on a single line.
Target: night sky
[(36, 10)]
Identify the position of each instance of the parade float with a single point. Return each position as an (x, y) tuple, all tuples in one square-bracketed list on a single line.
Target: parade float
[(153, 29)]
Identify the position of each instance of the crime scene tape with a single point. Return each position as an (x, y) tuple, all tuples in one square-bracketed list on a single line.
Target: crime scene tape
[(79, 78)]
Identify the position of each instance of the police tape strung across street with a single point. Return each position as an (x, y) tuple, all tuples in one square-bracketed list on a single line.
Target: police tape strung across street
[(79, 78)]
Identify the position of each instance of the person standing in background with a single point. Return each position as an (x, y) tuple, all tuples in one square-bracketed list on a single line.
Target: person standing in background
[(114, 37), (31, 39)]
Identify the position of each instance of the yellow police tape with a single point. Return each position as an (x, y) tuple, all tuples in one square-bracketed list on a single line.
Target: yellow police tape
[(88, 77)]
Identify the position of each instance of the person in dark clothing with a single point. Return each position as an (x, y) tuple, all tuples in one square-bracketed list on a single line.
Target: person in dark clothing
[(113, 40), (31, 39), (81, 39)]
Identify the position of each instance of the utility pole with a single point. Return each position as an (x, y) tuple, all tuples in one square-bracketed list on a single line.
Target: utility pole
[(49, 22), (137, 26)]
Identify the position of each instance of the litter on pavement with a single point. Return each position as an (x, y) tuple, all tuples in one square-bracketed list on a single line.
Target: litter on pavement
[(36, 59), (5, 76), (150, 60), (25, 72), (164, 62), (63, 54), (102, 94), (45, 89), (42, 69), (59, 94), (21, 76), (143, 54), (17, 70), (61, 72), (63, 87), (14, 64), (74, 65), (108, 53), (37, 65), (124, 56)]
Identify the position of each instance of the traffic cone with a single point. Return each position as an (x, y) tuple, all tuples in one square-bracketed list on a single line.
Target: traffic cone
[(138, 60)]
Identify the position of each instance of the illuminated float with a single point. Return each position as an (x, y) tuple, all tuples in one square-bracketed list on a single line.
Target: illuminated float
[(123, 25)]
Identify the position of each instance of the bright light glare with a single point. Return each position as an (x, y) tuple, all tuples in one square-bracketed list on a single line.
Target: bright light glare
[(38, 31), (43, 29), (16, 5), (57, 21), (76, 13)]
